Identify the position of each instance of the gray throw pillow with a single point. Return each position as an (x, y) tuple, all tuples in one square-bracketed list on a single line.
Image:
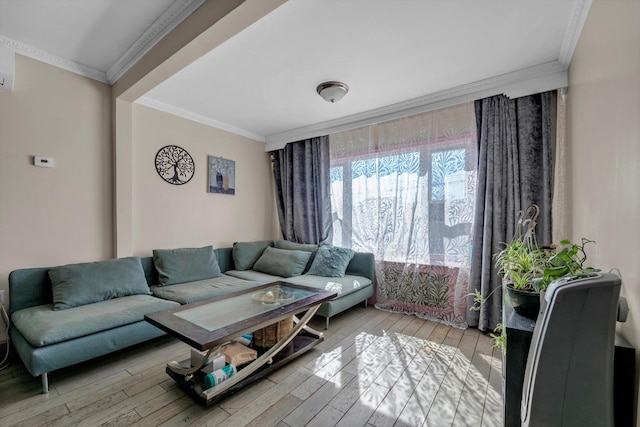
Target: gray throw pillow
[(331, 261), (185, 265), (307, 247), (286, 244), (282, 262), (74, 285), (245, 254)]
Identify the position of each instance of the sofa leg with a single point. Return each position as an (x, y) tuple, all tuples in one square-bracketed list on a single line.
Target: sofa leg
[(366, 304), (326, 323), (45, 383)]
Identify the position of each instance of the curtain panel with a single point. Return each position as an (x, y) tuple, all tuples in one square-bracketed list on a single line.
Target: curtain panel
[(516, 139), (301, 174), (404, 190)]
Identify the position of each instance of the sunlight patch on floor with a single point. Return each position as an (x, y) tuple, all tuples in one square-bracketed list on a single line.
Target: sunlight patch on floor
[(423, 381)]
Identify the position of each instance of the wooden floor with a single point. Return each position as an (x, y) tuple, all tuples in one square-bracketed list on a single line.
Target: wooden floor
[(374, 369)]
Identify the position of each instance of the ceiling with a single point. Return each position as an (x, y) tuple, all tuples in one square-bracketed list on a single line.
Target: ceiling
[(397, 56)]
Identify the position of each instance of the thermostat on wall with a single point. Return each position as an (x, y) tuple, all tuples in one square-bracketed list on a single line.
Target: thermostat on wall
[(45, 162)]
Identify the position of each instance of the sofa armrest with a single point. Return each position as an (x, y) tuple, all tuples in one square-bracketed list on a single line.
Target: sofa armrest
[(362, 264)]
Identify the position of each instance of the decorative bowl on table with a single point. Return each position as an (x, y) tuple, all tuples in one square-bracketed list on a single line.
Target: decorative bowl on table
[(273, 296)]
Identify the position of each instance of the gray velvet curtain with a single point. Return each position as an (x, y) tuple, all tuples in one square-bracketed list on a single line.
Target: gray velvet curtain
[(516, 139), (301, 173)]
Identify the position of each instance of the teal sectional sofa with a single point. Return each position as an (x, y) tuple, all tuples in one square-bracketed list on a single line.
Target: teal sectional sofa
[(50, 332)]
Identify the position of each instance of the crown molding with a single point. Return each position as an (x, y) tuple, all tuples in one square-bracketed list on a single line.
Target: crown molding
[(548, 76), (170, 19), (48, 58), (185, 114), (571, 37)]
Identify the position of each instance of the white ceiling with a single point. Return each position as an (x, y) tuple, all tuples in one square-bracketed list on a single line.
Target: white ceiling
[(394, 55)]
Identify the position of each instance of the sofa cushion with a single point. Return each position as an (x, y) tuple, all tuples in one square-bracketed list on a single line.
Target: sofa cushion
[(331, 261), (186, 293), (41, 325), (245, 254), (185, 265), (74, 285), (282, 262), (285, 244), (307, 247), (254, 276), (341, 285)]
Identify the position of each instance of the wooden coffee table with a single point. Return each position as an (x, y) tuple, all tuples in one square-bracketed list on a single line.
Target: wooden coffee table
[(208, 325)]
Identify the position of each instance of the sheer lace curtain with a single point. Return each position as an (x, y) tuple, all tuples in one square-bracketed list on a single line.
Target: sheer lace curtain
[(405, 190)]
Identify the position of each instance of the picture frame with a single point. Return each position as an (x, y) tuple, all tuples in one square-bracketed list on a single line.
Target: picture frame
[(222, 175)]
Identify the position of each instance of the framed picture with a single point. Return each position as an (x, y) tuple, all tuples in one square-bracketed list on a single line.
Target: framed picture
[(222, 175)]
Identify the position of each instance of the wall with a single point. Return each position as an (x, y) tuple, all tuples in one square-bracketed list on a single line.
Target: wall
[(171, 216), (64, 214), (603, 119)]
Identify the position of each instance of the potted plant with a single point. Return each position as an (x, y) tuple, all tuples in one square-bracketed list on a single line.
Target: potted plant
[(522, 265), (528, 270), (568, 261)]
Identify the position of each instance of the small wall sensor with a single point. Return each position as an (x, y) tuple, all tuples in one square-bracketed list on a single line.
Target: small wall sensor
[(44, 162)]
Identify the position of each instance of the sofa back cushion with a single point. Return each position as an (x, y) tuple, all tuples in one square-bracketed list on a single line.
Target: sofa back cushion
[(282, 262), (285, 244), (245, 254), (74, 285), (331, 261), (185, 265), (307, 247)]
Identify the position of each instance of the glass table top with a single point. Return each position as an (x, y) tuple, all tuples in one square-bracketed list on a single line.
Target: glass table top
[(219, 314)]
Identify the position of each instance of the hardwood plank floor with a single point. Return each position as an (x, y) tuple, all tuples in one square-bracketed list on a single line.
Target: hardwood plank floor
[(374, 369)]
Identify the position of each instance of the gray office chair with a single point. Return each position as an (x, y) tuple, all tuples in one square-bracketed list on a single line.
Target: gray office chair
[(569, 375)]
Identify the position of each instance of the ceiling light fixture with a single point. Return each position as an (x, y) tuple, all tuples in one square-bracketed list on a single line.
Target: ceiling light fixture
[(332, 91)]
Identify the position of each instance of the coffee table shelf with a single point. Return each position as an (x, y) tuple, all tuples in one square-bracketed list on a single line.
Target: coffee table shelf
[(208, 325), (195, 387)]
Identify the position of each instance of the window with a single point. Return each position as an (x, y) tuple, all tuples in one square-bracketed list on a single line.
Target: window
[(404, 190), (421, 195)]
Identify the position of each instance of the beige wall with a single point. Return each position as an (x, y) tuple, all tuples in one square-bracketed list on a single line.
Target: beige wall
[(603, 118), (64, 214), (171, 216)]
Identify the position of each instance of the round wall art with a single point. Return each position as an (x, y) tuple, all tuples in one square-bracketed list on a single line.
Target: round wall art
[(175, 165)]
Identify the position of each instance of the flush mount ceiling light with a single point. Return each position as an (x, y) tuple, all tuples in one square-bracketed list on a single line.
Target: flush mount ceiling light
[(332, 91)]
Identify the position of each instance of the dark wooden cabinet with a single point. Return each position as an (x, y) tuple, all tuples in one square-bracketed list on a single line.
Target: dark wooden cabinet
[(519, 332), (624, 375)]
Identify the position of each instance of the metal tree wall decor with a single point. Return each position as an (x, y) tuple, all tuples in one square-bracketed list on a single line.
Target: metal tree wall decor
[(175, 165)]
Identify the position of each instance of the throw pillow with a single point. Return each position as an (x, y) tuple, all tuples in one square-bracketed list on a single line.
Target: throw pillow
[(331, 261), (282, 262), (245, 254), (185, 265), (307, 247), (286, 244), (74, 285)]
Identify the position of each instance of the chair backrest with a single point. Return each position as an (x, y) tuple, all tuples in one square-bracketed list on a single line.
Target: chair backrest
[(569, 375)]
